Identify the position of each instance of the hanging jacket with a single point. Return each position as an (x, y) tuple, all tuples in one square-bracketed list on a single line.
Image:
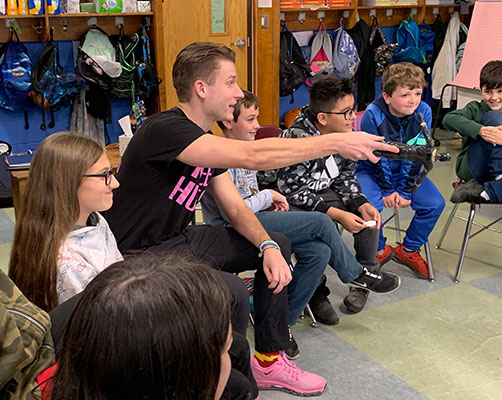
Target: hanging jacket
[(445, 70), (365, 76)]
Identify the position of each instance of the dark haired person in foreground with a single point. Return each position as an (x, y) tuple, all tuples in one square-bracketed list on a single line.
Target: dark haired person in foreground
[(152, 326)]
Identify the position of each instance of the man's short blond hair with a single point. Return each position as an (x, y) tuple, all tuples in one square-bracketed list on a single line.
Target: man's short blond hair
[(199, 60), (402, 74)]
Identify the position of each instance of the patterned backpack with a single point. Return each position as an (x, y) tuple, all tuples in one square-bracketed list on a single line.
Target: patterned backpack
[(52, 88), (345, 56), (382, 51)]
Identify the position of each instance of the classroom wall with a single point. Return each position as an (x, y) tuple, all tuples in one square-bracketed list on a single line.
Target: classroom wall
[(301, 95), (12, 123)]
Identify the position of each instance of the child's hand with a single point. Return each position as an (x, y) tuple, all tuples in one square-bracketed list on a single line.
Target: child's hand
[(351, 222), (370, 213), (491, 134), (402, 202), (390, 200), (279, 202)]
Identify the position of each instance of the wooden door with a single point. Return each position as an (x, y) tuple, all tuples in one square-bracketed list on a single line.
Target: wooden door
[(181, 22)]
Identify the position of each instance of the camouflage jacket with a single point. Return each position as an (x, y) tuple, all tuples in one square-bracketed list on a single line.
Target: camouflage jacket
[(26, 347), (303, 184)]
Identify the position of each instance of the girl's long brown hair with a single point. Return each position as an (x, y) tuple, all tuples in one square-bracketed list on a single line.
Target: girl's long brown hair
[(49, 209)]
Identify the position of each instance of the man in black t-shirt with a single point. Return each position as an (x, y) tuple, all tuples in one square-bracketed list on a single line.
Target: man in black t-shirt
[(173, 159)]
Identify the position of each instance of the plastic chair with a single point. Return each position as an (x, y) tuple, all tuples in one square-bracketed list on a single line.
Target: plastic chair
[(268, 131), (467, 234), (398, 230)]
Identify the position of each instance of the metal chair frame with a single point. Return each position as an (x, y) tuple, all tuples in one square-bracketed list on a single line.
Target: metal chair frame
[(467, 234)]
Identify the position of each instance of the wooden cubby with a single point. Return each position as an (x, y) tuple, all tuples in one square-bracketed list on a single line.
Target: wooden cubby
[(36, 28), (267, 86)]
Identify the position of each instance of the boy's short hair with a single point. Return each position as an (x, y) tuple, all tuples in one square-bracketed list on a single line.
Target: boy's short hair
[(402, 74), (199, 60), (490, 76), (325, 93), (247, 101)]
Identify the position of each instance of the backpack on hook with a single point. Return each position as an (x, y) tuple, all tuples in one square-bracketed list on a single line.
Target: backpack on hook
[(345, 56), (15, 73), (293, 69), (96, 63), (52, 88), (125, 53)]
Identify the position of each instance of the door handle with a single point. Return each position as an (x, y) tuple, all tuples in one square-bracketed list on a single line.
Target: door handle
[(241, 42)]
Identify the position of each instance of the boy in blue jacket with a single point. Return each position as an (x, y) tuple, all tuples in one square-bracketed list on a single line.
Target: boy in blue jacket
[(389, 183)]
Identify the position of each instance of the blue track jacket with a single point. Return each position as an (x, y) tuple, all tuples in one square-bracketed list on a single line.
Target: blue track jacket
[(391, 175)]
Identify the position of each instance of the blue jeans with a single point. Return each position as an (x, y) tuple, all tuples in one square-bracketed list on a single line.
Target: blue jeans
[(427, 203), (316, 243), (485, 163)]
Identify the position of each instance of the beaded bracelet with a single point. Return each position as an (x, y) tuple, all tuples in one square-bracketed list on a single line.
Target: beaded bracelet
[(266, 244)]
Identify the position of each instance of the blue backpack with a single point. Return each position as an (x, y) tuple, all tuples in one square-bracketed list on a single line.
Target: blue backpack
[(52, 88), (408, 39), (15, 73), (345, 56)]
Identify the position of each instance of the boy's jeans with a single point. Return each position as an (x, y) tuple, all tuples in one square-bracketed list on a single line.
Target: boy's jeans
[(315, 241)]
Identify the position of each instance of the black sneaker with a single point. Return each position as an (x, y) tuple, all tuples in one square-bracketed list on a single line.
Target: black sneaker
[(382, 282), (356, 299), (292, 351), (469, 192), (321, 307)]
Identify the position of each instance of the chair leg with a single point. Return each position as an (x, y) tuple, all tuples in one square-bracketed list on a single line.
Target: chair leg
[(465, 242), (447, 225), (314, 324), (397, 225), (429, 261)]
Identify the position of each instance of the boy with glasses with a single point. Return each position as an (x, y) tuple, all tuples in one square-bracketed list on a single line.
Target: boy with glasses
[(329, 185)]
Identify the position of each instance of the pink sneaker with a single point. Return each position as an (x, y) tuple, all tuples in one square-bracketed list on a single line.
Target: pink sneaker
[(284, 375)]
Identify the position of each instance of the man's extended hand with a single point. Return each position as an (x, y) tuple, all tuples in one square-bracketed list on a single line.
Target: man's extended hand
[(370, 213), (276, 269), (361, 145), (279, 202), (390, 200)]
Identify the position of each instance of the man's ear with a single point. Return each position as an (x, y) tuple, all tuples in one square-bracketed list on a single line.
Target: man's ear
[(386, 97), (227, 124), (321, 118), (200, 88)]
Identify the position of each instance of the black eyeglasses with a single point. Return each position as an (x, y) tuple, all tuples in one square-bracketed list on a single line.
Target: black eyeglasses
[(107, 175), (347, 114)]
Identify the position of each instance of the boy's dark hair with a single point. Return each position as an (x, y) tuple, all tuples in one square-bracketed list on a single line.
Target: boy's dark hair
[(402, 74), (247, 101), (198, 60), (490, 76), (325, 93)]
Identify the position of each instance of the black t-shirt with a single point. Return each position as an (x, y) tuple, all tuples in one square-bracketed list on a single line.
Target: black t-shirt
[(157, 193)]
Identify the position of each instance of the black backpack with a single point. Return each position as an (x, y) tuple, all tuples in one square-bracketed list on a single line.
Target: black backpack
[(126, 54), (294, 70), (100, 84), (52, 88)]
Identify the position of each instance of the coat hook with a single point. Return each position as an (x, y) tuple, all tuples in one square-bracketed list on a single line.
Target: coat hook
[(301, 17), (39, 29), (320, 15)]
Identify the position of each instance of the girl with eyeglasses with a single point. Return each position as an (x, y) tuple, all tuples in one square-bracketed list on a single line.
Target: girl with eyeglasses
[(61, 241)]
